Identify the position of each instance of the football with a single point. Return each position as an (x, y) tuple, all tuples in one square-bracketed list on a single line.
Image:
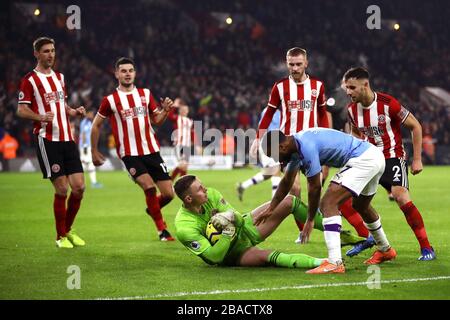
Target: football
[(212, 234)]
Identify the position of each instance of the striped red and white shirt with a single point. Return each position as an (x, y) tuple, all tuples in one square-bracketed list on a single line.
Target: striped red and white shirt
[(380, 123), (45, 93), (182, 135), (129, 114), (302, 105)]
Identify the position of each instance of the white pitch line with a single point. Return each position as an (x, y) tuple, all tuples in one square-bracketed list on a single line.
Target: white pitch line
[(309, 286)]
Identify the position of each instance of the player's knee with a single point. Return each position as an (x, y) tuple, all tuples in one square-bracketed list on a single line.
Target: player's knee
[(78, 189), (401, 196)]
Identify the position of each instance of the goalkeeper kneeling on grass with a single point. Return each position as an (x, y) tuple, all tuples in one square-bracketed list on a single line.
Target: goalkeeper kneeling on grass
[(236, 245)]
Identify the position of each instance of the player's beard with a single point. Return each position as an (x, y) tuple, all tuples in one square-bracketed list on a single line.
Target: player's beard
[(127, 84)]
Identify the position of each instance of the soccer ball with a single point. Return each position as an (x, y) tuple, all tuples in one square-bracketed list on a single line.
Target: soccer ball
[(212, 234)]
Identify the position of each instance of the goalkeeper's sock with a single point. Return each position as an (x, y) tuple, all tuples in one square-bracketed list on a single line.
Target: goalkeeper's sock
[(257, 178), (296, 260), (300, 212)]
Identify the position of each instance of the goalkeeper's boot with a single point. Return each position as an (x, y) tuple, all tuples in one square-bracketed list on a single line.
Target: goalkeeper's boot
[(328, 267), (165, 235), (427, 254), (349, 238), (360, 247), (240, 191), (380, 256), (63, 242), (75, 239)]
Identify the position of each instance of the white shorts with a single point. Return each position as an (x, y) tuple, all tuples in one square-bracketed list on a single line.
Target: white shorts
[(85, 155), (270, 166), (360, 175)]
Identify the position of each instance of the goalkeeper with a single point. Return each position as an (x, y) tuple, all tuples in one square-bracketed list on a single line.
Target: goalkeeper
[(236, 246)]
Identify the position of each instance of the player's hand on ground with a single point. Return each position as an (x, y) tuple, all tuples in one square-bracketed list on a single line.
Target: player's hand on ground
[(416, 166), (166, 103), (307, 229), (47, 117), (254, 148), (97, 158), (260, 218)]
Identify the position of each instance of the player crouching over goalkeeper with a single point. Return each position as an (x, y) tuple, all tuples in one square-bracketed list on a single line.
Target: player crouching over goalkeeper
[(236, 245)]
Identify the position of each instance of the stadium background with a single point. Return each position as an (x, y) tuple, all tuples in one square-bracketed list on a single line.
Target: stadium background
[(225, 71)]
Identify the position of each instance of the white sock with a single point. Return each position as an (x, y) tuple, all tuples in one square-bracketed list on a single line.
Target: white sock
[(378, 234), (332, 233), (257, 178), (93, 176), (275, 182)]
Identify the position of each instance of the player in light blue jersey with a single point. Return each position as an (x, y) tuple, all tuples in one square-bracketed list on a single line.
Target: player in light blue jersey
[(361, 165), (85, 148), (270, 168)]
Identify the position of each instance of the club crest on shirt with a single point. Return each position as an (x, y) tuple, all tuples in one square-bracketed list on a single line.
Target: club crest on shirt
[(195, 245), (381, 118), (56, 168), (21, 95), (314, 92)]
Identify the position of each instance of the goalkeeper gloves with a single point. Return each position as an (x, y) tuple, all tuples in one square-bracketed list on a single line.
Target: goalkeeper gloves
[(229, 230), (222, 219)]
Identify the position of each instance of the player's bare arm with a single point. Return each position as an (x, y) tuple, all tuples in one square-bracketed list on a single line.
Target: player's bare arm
[(160, 116), (24, 111), (73, 112), (416, 131), (283, 189), (97, 157), (355, 132), (314, 188)]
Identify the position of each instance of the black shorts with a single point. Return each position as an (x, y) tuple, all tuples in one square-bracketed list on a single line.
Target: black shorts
[(152, 164), (58, 158), (395, 174), (182, 153)]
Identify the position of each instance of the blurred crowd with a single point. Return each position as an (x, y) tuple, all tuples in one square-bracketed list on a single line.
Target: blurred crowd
[(225, 71)]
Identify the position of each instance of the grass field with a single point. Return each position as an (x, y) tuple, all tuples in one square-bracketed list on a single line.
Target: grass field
[(123, 257)]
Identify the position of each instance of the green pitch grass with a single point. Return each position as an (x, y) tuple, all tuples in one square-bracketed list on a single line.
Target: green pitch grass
[(124, 258)]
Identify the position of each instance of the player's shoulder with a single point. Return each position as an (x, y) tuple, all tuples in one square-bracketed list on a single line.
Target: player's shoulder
[(28, 76), (386, 98), (313, 78), (351, 105), (281, 81)]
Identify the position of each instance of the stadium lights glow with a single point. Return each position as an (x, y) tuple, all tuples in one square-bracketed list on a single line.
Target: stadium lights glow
[(229, 20), (37, 12), (396, 26)]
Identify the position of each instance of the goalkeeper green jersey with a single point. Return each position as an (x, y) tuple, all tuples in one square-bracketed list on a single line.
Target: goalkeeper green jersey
[(191, 227)]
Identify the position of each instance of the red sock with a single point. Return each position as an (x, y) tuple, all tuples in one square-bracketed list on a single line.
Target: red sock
[(153, 208), (174, 173), (163, 201), (182, 172), (73, 205), (59, 208), (415, 221), (354, 218), (300, 224)]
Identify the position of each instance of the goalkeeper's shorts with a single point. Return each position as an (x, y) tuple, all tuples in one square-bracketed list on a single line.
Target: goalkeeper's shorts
[(247, 237)]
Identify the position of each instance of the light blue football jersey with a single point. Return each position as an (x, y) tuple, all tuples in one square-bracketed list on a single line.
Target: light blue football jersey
[(323, 146), (85, 133)]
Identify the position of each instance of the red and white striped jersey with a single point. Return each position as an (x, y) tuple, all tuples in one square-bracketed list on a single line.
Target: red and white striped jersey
[(182, 135), (302, 105), (380, 123), (129, 114), (45, 93)]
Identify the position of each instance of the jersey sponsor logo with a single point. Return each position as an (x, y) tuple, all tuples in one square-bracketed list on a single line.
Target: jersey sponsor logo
[(54, 96), (135, 112), (382, 118), (314, 92), (195, 245), (56, 168), (371, 132), (132, 171), (301, 105), (21, 95)]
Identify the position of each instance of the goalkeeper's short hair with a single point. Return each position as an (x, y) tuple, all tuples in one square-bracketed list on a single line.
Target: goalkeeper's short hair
[(182, 185)]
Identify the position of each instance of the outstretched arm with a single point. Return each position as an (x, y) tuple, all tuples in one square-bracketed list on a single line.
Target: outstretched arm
[(97, 158)]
